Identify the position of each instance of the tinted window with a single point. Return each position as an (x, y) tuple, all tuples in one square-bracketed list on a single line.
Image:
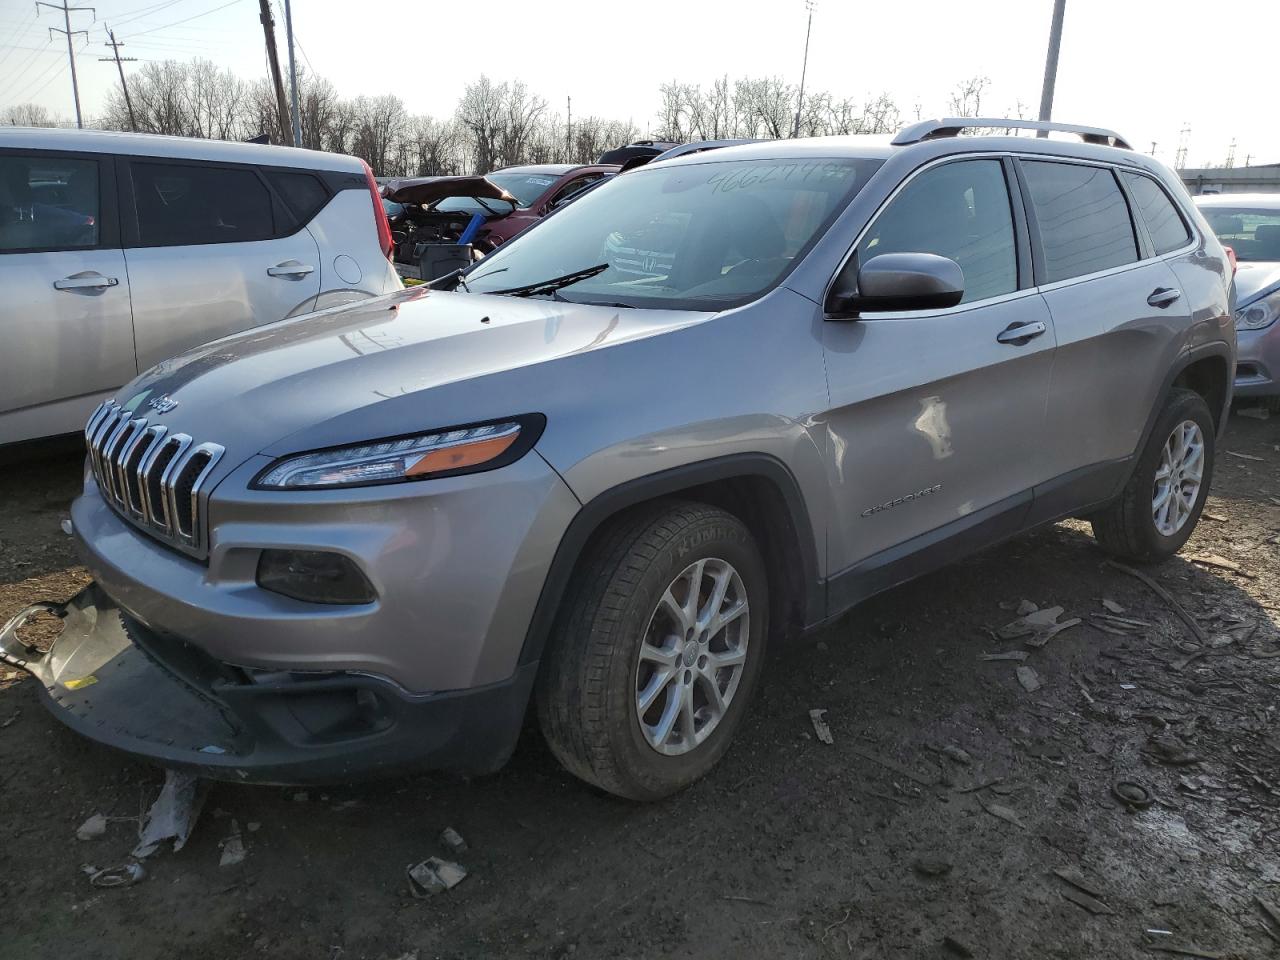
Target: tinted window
[(701, 236), (958, 210), (181, 205), (48, 203), (1164, 223), (525, 187), (1083, 218), (304, 193)]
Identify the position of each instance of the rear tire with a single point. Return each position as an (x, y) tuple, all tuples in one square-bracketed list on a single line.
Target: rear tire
[(647, 679), (1159, 507)]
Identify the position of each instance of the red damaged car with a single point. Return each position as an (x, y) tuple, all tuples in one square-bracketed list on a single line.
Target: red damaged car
[(441, 223)]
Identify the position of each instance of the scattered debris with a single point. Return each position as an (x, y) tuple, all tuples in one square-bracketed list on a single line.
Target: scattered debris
[(1086, 902), (1220, 563), (1186, 951), (1026, 607), (1216, 518), (1073, 876), (1111, 606), (1254, 413), (957, 754), (1181, 662), (452, 840), (1029, 679), (125, 875), (300, 796), (895, 767), (932, 868), (433, 876), (1169, 749), (1018, 655), (1164, 595), (7, 721), (1132, 794), (820, 726), (956, 947), (1272, 912), (173, 815), (1246, 456), (980, 786), (1002, 812), (1037, 628), (93, 828), (233, 849), (66, 527)]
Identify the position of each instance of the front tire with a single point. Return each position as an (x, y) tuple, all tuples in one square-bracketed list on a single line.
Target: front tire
[(1159, 507), (657, 650)]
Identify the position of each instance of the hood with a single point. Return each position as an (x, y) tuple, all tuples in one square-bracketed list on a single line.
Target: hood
[(1254, 278), (378, 368), (425, 190)]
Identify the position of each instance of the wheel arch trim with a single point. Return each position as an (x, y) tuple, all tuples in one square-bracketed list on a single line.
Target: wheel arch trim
[(607, 504)]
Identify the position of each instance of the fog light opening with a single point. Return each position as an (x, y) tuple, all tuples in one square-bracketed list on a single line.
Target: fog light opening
[(314, 576)]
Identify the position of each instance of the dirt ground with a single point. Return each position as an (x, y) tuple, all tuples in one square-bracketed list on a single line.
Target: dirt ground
[(881, 845)]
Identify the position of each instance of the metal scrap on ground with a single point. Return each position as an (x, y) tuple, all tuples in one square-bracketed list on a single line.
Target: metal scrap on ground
[(173, 815), (820, 726), (433, 876)]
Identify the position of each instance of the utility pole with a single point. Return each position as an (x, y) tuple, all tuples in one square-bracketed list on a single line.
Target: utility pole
[(1231, 154), (273, 59), (568, 139), (71, 53), (1051, 65), (293, 76), (808, 5), (120, 61)]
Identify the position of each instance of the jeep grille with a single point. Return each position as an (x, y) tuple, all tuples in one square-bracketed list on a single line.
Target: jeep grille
[(150, 476)]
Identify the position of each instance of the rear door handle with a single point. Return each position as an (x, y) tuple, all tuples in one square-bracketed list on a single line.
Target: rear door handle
[(1164, 296), (94, 281), (290, 268), (1019, 333)]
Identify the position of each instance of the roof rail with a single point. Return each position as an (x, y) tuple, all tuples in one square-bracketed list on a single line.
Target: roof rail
[(950, 127)]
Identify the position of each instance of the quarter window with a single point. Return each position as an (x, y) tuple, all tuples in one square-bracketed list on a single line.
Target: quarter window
[(48, 203), (304, 194), (1082, 217), (1164, 223), (958, 210), (180, 205)]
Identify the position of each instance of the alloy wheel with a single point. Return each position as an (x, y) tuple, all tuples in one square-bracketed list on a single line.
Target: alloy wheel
[(1178, 478)]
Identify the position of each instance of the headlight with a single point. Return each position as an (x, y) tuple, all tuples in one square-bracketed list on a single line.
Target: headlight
[(443, 453), (1261, 313)]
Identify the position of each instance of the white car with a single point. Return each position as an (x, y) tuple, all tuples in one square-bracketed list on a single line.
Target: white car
[(120, 250)]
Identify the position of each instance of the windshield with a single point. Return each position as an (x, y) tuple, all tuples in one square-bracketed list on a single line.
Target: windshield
[(1254, 234), (525, 187), (470, 205), (700, 236)]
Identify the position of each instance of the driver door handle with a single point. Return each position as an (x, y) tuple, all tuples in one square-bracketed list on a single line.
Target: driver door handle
[(1019, 333), (92, 282), (1164, 296), (290, 268)]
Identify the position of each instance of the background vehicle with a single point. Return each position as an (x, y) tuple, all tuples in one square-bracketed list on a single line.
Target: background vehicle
[(118, 251), (860, 361), (1249, 223)]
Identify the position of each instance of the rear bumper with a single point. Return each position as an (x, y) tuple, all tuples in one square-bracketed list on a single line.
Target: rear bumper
[(1258, 362), (159, 698)]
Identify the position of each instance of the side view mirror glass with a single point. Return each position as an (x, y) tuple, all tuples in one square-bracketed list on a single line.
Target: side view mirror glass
[(896, 281)]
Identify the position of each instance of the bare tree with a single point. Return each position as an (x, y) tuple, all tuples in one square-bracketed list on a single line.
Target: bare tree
[(480, 111), (966, 97), (29, 115)]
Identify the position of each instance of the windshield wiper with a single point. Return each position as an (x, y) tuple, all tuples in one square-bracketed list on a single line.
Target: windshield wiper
[(554, 284)]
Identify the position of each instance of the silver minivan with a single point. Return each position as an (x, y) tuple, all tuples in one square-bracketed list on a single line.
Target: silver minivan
[(119, 250)]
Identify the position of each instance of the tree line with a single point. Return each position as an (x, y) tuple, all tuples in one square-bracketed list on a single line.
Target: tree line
[(495, 124)]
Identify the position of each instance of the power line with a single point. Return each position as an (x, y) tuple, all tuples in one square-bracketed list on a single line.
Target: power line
[(187, 20), (71, 53), (26, 24)]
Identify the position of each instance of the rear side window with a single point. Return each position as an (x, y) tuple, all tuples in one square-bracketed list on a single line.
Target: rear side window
[(178, 205), (48, 203), (958, 210), (1164, 223), (1082, 216), (304, 193)]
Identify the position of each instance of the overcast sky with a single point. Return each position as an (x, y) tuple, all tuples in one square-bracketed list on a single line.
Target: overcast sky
[(1145, 68)]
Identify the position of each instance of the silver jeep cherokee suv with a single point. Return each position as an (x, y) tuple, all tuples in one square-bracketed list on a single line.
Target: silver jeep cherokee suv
[(362, 541)]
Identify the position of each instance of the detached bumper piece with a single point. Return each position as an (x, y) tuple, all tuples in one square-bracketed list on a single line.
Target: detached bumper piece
[(155, 696)]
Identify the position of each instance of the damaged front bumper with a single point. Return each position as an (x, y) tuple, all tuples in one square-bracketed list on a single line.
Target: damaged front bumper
[(110, 678)]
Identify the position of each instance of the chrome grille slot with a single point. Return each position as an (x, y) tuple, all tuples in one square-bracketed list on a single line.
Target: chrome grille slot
[(150, 476)]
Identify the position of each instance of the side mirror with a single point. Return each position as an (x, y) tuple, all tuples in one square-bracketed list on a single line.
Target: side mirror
[(897, 281)]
